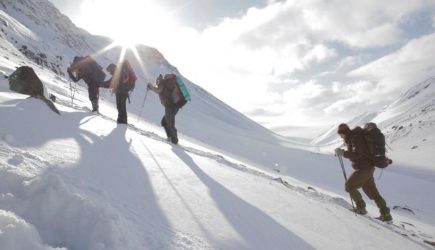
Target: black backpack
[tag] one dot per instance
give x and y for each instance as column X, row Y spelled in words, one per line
column 89, row 69
column 375, row 140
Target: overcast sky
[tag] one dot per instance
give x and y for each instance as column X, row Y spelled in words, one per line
column 282, row 63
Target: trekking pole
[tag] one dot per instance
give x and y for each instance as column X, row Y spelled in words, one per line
column 143, row 104
column 72, row 93
column 72, row 90
column 388, row 146
column 340, row 159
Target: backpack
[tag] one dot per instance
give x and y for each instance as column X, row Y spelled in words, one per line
column 182, row 87
column 179, row 89
column 375, row 140
column 127, row 70
column 88, row 69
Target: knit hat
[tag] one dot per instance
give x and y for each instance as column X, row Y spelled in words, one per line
column 111, row 68
column 343, row 129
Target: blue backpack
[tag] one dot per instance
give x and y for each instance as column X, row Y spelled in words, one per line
column 180, row 89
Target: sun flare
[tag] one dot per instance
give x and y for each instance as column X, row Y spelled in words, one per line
column 127, row 22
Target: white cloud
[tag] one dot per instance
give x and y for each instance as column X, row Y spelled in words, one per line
column 349, row 61
column 398, row 71
column 359, row 23
column 376, row 37
column 319, row 54
column 343, row 105
column 251, row 62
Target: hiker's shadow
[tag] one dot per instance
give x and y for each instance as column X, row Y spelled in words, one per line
column 258, row 230
column 31, row 123
column 109, row 166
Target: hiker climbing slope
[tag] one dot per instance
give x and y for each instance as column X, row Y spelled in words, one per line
column 362, row 177
column 122, row 82
column 173, row 95
column 87, row 68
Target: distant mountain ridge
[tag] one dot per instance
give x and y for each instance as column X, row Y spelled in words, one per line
column 37, row 31
column 49, row 38
column 408, row 123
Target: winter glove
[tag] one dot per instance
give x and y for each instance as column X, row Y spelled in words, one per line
column 70, row 74
column 339, row 152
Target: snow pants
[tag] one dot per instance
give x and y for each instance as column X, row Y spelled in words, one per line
column 121, row 105
column 94, row 95
column 168, row 122
column 363, row 178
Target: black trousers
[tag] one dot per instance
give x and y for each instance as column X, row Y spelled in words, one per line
column 94, row 95
column 121, row 105
column 168, row 122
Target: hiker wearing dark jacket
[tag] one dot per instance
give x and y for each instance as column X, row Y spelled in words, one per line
column 172, row 100
column 362, row 177
column 86, row 68
column 117, row 83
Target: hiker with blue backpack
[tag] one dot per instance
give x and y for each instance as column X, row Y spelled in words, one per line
column 121, row 83
column 173, row 95
column 361, row 148
column 87, row 68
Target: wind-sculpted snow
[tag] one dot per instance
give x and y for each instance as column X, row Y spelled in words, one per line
column 79, row 181
column 92, row 185
column 16, row 233
column 61, row 216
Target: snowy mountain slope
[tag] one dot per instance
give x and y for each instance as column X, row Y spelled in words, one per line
column 206, row 119
column 43, row 30
column 408, row 124
column 79, row 181
column 330, row 137
column 135, row 190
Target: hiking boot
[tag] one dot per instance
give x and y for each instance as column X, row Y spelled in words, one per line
column 385, row 217
column 174, row 140
column 360, row 210
column 384, row 211
column 120, row 121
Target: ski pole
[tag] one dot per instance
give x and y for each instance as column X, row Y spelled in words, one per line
column 340, row 159
column 143, row 104
column 73, row 93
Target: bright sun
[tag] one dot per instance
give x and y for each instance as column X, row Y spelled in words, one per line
column 128, row 22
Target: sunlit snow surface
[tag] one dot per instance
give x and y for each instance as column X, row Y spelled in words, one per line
column 79, row 181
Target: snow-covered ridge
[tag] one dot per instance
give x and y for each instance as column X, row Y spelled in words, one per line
column 93, row 185
column 36, row 30
column 44, row 35
column 408, row 124
column 79, row 181
column 423, row 90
